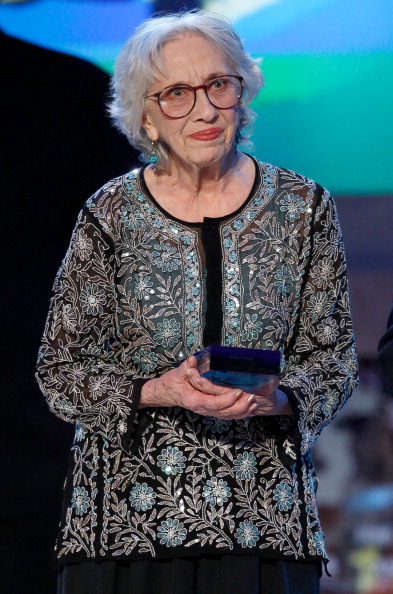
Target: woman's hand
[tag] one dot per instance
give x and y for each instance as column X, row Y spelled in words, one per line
column 270, row 401
column 183, row 386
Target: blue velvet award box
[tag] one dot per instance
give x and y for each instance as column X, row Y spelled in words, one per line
column 248, row 369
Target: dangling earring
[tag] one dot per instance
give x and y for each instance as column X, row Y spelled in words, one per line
column 153, row 157
column 238, row 136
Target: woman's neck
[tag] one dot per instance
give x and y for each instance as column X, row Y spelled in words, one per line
column 191, row 194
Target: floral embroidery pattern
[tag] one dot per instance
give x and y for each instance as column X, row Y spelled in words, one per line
column 318, row 543
column 171, row 533
column 293, row 205
column 98, row 385
column 80, row 432
column 252, row 328
column 323, row 273
column 283, row 280
column 247, row 534
column 350, row 360
column 143, row 286
column 122, row 426
column 142, row 497
column 171, row 460
column 283, row 496
column 69, row 318
column 327, row 332
column 167, row 332
column 330, row 402
column 216, row 492
column 80, row 500
column 83, row 245
column 131, row 217
column 146, row 359
column 166, row 257
column 92, row 299
column 317, row 305
column 245, row 466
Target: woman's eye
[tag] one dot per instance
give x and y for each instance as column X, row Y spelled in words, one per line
column 219, row 83
column 177, row 93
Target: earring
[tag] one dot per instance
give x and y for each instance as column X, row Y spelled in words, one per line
column 238, row 136
column 153, row 157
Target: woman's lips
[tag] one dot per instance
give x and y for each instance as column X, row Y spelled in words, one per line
column 208, row 134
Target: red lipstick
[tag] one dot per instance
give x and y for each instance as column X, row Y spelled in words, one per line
column 208, row 134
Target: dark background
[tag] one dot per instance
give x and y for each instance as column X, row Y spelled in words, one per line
column 59, row 148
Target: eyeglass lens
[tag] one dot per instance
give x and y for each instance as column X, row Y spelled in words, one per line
column 223, row 92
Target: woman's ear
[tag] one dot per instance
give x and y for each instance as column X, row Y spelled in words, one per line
column 149, row 127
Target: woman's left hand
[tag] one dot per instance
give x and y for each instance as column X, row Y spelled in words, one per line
column 268, row 401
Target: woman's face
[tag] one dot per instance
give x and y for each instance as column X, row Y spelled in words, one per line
column 206, row 135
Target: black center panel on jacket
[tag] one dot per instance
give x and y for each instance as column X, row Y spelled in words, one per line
column 213, row 258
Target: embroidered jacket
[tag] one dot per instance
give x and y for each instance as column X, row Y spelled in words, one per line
column 129, row 302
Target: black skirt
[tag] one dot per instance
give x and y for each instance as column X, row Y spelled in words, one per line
column 226, row 574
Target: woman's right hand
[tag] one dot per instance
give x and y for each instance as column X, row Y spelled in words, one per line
column 183, row 386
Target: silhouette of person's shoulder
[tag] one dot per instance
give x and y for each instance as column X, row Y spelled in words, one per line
column 385, row 354
column 59, row 147
column 55, row 122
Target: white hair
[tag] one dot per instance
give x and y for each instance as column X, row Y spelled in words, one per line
column 140, row 58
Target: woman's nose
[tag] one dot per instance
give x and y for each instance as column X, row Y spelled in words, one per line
column 203, row 108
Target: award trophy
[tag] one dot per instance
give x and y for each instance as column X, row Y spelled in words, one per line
column 233, row 367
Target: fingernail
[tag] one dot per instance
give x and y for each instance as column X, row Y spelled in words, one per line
column 238, row 393
column 253, row 408
column 251, row 398
column 188, row 373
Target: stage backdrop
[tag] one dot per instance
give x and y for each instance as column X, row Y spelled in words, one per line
column 326, row 110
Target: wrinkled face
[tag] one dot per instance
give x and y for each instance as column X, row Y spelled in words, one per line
column 206, row 135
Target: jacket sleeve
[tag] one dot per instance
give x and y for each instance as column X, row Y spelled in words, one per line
column 321, row 367
column 385, row 354
column 78, row 369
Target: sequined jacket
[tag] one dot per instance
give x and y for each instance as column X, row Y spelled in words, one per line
column 129, row 302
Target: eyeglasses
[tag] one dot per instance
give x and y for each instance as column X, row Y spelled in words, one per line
column 177, row 101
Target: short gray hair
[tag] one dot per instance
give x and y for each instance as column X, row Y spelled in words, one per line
column 140, row 58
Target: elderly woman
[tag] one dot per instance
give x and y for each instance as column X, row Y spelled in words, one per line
column 177, row 484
